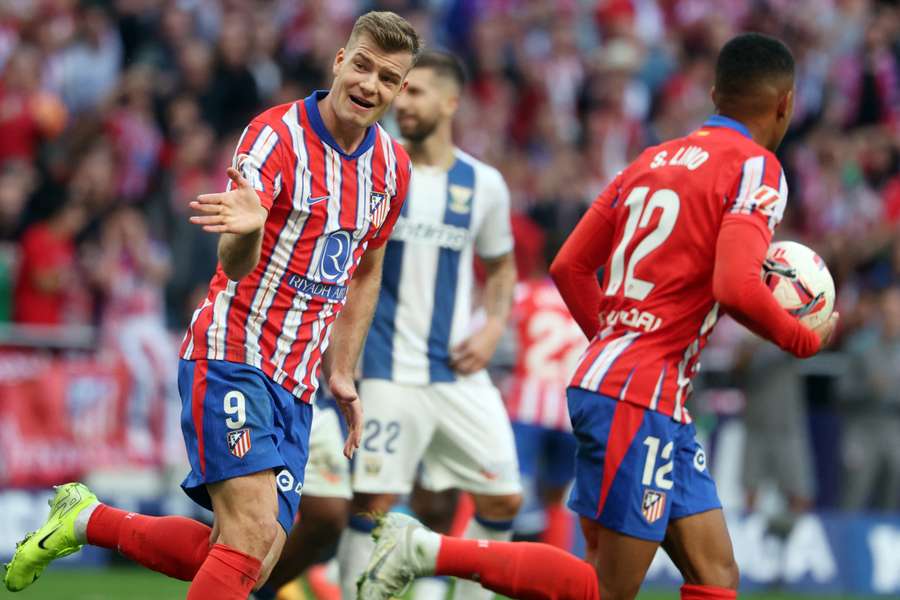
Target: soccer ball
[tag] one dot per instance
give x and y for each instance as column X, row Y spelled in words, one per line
column 800, row 282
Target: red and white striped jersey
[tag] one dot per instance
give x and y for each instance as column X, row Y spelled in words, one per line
column 549, row 344
column 326, row 208
column 657, row 308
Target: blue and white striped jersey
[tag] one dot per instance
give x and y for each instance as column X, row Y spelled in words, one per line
column 425, row 305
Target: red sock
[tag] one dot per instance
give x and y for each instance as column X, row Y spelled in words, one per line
column 706, row 592
column 225, row 575
column 173, row 546
column 519, row 570
column 559, row 527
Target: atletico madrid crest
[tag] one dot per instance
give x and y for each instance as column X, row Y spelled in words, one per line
column 239, row 442
column 653, row 505
column 378, row 208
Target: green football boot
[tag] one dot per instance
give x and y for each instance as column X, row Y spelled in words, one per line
column 55, row 539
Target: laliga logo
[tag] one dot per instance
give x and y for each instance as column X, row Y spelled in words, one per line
column 700, row 460
column 285, row 480
column 335, row 254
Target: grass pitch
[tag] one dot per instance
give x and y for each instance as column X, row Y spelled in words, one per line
column 125, row 583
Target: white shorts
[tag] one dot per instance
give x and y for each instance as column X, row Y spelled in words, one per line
column 459, row 431
column 327, row 470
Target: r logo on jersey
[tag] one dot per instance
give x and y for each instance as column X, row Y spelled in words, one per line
column 378, row 208
column 653, row 506
column 335, row 255
column 239, row 442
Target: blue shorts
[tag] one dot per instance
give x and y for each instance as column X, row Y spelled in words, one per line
column 546, row 456
column 546, row 460
column 236, row 421
column 636, row 469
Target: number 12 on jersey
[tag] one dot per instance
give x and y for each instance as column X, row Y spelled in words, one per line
column 640, row 211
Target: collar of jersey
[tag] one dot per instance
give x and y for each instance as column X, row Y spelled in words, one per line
column 311, row 103
column 729, row 123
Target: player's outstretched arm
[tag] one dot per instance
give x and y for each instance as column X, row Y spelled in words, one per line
column 347, row 337
column 240, row 217
column 475, row 352
column 740, row 291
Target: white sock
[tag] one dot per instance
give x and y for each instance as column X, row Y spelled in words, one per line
column 430, row 588
column 353, row 554
column 81, row 522
column 426, row 545
column 493, row 531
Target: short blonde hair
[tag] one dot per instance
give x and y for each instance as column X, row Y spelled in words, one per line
column 389, row 31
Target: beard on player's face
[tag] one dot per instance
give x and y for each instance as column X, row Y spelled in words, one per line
column 417, row 129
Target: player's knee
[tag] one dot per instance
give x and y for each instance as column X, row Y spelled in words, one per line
column 253, row 532
column 731, row 575
column 498, row 508
column 721, row 573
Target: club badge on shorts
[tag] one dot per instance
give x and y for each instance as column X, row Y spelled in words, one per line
column 239, row 442
column 378, row 208
column 653, row 505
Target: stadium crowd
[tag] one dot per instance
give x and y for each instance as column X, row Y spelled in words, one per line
column 114, row 114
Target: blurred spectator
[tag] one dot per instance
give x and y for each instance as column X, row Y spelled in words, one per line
column 871, row 391
column 134, row 134
column 47, row 275
column 233, row 97
column 87, row 70
column 130, row 270
column 27, row 114
column 778, row 449
column 16, row 180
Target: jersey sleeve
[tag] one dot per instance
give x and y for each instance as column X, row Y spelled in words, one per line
column 494, row 237
column 574, row 270
column 760, row 192
column 259, row 158
column 404, row 174
column 737, row 286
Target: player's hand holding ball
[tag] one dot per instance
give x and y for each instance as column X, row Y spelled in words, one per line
column 802, row 284
column 236, row 211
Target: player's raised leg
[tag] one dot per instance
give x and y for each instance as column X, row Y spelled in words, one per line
column 406, row 550
column 174, row 546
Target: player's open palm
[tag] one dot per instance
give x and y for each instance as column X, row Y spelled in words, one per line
column 344, row 391
column 236, row 211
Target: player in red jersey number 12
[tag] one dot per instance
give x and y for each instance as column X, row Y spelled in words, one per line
column 681, row 234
